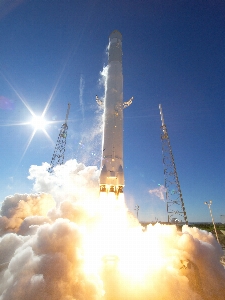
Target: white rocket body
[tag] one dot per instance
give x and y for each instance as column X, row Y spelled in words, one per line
column 112, row 176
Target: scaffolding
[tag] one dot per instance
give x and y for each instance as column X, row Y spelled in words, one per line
column 174, row 199
column 58, row 155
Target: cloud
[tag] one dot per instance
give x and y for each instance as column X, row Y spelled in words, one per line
column 71, row 181
column 81, row 90
column 49, row 266
column 73, row 244
column 16, row 208
column 159, row 192
column 103, row 76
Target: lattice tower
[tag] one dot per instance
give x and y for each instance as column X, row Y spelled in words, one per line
column 58, row 155
column 174, row 199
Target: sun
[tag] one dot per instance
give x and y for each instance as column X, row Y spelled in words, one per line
column 38, row 122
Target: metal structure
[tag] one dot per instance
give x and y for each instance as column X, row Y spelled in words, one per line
column 174, row 198
column 58, row 155
column 210, row 210
column 137, row 207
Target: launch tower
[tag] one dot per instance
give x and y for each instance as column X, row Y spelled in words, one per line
column 175, row 203
column 58, row 155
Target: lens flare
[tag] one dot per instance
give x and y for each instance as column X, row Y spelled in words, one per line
column 38, row 122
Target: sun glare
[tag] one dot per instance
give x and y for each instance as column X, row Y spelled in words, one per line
column 38, row 122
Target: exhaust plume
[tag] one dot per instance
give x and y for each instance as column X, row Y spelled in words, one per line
column 69, row 243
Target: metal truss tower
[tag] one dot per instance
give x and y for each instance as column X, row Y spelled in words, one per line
column 58, row 155
column 174, row 199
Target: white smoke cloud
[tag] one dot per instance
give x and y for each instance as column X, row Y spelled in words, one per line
column 159, row 192
column 91, row 137
column 16, row 208
column 48, row 265
column 68, row 181
column 89, row 248
column 103, row 76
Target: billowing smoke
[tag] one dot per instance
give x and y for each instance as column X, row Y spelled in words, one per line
column 15, row 209
column 65, row 242
column 72, row 181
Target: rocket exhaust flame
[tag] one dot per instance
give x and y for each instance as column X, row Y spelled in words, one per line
column 92, row 248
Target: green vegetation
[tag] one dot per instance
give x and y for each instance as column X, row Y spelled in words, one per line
column 208, row 226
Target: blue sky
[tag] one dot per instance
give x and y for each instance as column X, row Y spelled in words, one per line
column 173, row 54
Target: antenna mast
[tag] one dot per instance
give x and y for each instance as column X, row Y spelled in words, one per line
column 58, row 155
column 174, row 198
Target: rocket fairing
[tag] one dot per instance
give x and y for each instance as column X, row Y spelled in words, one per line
column 112, row 175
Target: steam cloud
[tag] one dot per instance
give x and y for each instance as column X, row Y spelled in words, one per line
column 54, row 244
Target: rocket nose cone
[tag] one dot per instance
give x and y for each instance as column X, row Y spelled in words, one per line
column 115, row 34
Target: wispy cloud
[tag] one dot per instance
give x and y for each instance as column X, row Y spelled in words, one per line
column 159, row 192
column 81, row 89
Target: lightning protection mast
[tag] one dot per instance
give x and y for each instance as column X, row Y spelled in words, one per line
column 58, row 155
column 174, row 199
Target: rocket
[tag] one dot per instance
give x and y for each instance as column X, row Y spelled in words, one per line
column 112, row 170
